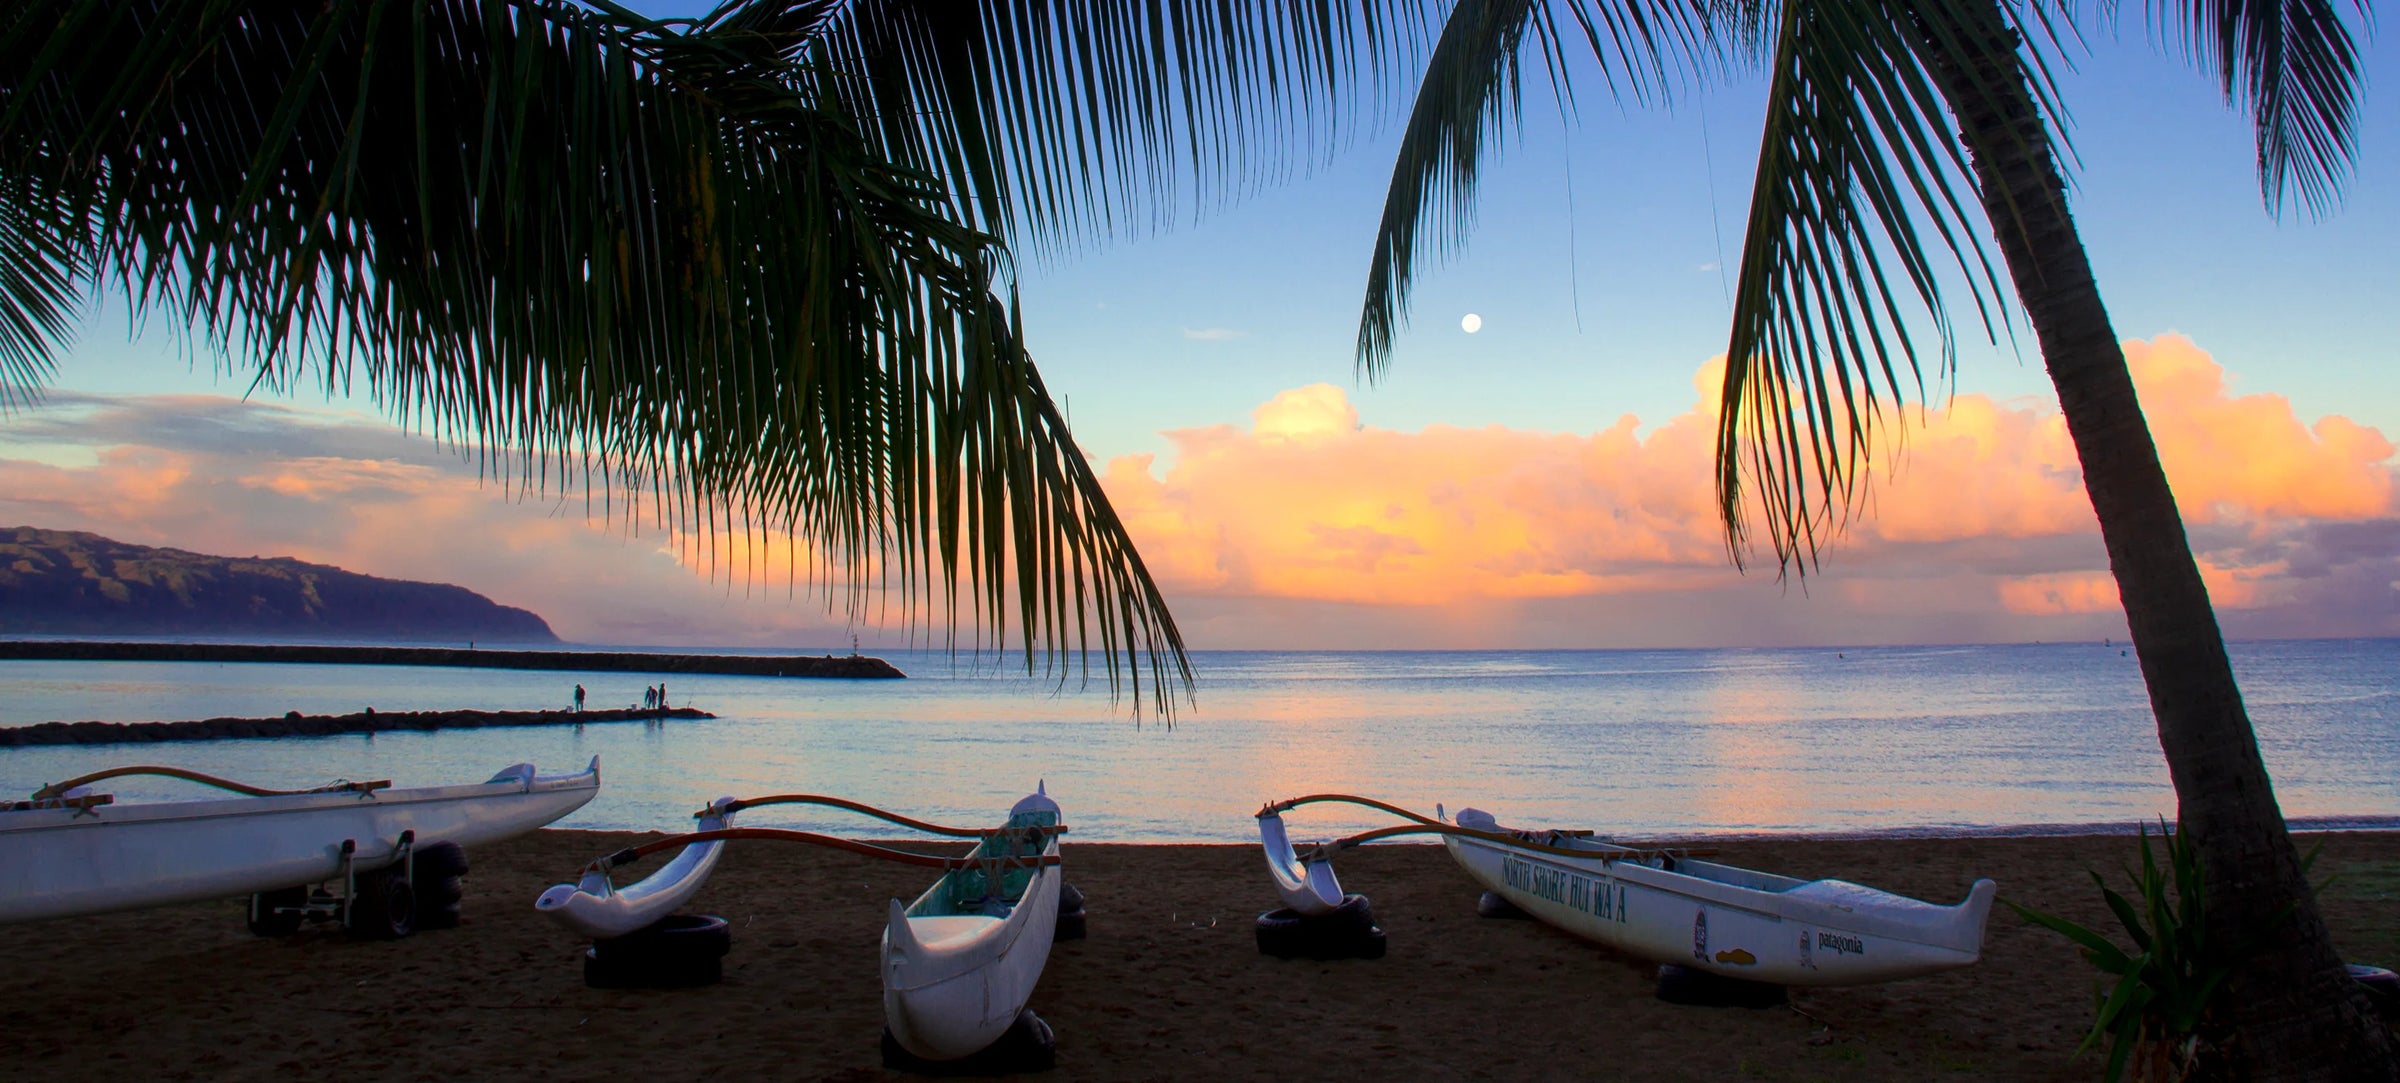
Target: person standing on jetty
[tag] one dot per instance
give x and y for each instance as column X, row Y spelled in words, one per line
column 662, row 695
column 579, row 699
column 649, row 697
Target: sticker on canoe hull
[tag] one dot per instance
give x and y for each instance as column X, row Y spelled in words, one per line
column 1737, row 957
column 1700, row 934
column 1841, row 944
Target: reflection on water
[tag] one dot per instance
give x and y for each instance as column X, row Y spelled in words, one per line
column 1656, row 744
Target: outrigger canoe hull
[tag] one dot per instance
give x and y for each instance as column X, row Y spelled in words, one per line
column 58, row 862
column 1736, row 922
column 954, row 982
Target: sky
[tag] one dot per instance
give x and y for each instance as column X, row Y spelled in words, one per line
column 1542, row 482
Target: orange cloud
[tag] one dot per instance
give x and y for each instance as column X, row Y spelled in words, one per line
column 1309, row 504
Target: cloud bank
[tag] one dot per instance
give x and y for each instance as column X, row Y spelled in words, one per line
column 1310, row 528
column 1977, row 530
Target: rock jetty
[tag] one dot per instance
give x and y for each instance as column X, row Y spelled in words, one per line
column 296, row 724
column 745, row 665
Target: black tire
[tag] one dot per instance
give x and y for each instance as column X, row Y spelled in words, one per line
column 1353, row 912
column 264, row 920
column 1070, row 927
column 1495, row 905
column 2382, row 986
column 1070, row 900
column 439, row 861
column 444, row 916
column 670, row 940
column 384, row 907
column 1702, row 989
column 1285, row 934
column 1028, row 1045
column 445, row 891
column 611, row 972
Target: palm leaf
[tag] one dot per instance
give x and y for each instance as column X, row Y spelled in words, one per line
column 2293, row 66
column 1059, row 122
column 1856, row 167
column 664, row 265
column 1470, row 92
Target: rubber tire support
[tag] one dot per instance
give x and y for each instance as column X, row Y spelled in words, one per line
column 1028, row 1045
column 1702, row 989
column 1070, row 914
column 680, row 951
column 1349, row 932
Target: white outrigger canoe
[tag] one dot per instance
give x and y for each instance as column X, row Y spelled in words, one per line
column 69, row 851
column 959, row 963
column 1667, row 905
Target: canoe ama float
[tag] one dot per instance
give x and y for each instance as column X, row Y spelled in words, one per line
column 70, row 852
column 1669, row 906
column 959, row 963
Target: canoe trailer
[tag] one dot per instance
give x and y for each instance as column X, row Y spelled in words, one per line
column 397, row 855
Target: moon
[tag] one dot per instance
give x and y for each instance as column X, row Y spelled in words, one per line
column 1471, row 324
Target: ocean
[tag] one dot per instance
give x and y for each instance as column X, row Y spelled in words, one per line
column 1656, row 745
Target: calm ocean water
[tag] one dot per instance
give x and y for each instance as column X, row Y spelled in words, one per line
column 1655, row 744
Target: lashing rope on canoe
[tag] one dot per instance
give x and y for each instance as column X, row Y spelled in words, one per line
column 732, row 807
column 1422, row 824
column 930, row 861
column 59, row 789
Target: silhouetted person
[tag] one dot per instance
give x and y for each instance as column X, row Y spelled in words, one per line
column 662, row 695
column 579, row 699
column 649, row 696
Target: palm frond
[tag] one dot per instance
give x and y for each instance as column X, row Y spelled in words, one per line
column 41, row 249
column 1856, row 166
column 603, row 253
column 1055, row 123
column 1470, row 92
column 2293, row 66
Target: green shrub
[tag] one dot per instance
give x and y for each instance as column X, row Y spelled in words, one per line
column 2154, row 997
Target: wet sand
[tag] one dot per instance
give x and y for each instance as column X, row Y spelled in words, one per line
column 1168, row 986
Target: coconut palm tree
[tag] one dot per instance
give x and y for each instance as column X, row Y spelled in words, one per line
column 1886, row 122
column 667, row 263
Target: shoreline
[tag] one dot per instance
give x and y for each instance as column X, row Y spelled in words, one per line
column 1169, row 984
column 295, row 724
column 853, row 667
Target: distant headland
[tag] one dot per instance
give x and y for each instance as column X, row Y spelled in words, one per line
column 65, row 582
column 789, row 665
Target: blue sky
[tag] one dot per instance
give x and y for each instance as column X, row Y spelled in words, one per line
column 1593, row 264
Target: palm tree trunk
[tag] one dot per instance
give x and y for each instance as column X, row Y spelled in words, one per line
column 2294, row 1012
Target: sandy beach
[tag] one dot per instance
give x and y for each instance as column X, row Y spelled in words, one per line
column 1168, row 986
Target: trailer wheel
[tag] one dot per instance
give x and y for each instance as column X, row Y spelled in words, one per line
column 385, row 907
column 265, row 918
